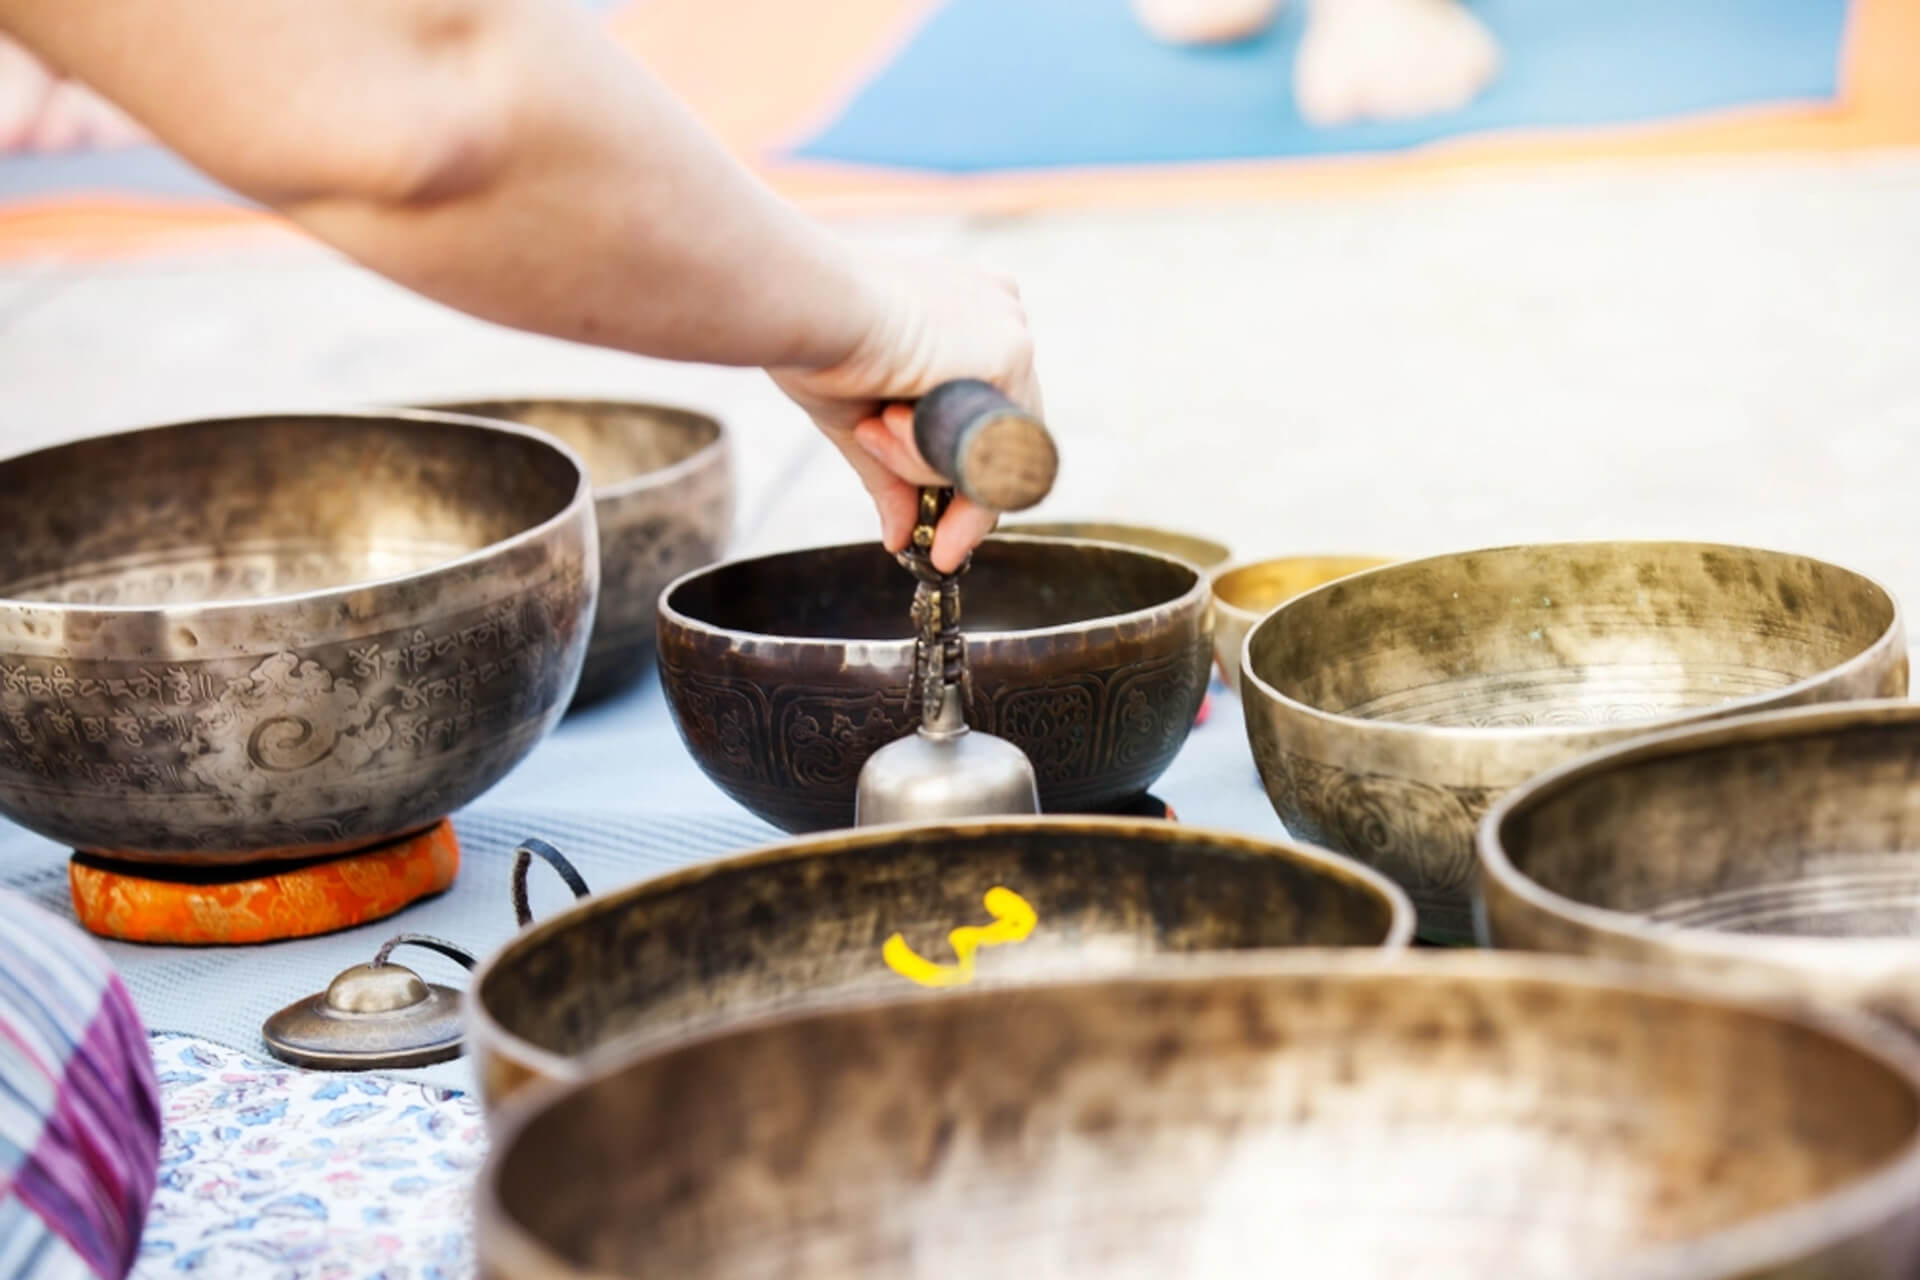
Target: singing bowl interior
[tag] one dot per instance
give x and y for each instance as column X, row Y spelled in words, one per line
column 663, row 500
column 1242, row 595
column 859, row 593
column 785, row 672
column 809, row 921
column 1789, row 840
column 1468, row 1116
column 282, row 636
column 250, row 509
column 1389, row 709
column 1204, row 554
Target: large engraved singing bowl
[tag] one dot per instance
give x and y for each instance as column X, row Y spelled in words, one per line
column 810, row 921
column 1204, row 554
column 283, row 636
column 785, row 672
column 1468, row 1116
column 1243, row 594
column 1782, row 847
column 663, row 496
column 1389, row 709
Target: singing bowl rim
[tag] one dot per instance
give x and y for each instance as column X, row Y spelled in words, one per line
column 1595, row 735
column 486, row 1034
column 1681, row 940
column 582, row 497
column 659, row 477
column 1770, row 1240
column 1194, row 597
column 1219, row 554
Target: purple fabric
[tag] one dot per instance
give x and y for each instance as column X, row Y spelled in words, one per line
column 80, row 1133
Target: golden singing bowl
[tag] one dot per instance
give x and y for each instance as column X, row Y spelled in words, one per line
column 663, row 494
column 1204, row 554
column 810, row 921
column 286, row 635
column 1389, row 709
column 1782, row 847
column 1462, row 1116
column 1243, row 594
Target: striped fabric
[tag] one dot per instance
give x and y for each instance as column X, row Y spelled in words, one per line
column 79, row 1105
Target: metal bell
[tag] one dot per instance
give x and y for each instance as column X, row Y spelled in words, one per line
column 945, row 770
column 373, row 1016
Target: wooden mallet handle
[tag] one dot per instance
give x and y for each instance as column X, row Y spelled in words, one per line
column 994, row 452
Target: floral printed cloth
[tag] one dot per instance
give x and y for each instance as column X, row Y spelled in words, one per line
column 268, row 1172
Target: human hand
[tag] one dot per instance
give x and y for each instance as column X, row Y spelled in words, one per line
column 930, row 322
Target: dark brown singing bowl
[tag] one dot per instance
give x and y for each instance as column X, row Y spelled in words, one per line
column 1782, row 847
column 663, row 496
column 785, row 672
column 1377, row 1117
column 809, row 921
column 284, row 635
column 1389, row 709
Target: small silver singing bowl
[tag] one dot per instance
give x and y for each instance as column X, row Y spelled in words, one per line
column 1389, row 709
column 663, row 498
column 283, row 636
column 1459, row 1116
column 1782, row 848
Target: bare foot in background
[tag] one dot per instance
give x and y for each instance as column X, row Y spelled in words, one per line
column 42, row 111
column 1390, row 60
column 1187, row 22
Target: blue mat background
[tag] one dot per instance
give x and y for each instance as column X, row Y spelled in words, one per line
column 1022, row 84
column 616, row 791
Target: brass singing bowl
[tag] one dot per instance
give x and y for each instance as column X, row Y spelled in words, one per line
column 663, row 498
column 1469, row 1115
column 809, row 921
column 785, row 672
column 1388, row 710
column 1243, row 594
column 283, row 636
column 1782, row 847
column 1204, row 554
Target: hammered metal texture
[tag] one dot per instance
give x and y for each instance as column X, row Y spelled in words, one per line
column 808, row 921
column 1782, row 847
column 283, row 636
column 1464, row 1117
column 1388, row 710
column 785, row 672
column 663, row 498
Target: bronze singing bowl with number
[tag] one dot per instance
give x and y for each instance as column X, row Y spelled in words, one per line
column 1782, row 847
column 809, row 922
column 1243, row 594
column 283, row 636
column 1389, row 709
column 1461, row 1117
column 663, row 495
column 1204, row 554
column 785, row 672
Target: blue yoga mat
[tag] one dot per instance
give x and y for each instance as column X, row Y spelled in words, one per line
column 1022, row 84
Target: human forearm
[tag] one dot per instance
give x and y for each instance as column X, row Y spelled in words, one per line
column 501, row 156
column 608, row 216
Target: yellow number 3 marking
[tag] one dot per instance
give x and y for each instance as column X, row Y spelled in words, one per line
column 1013, row 920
